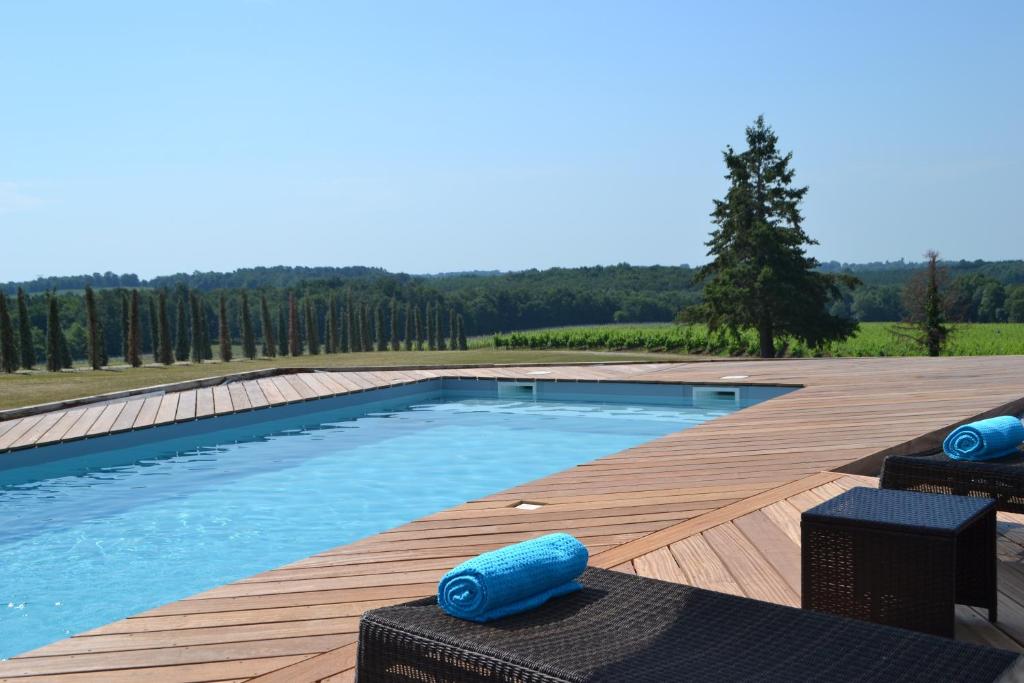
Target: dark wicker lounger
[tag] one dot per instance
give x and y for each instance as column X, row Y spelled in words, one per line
column 1002, row 479
column 625, row 628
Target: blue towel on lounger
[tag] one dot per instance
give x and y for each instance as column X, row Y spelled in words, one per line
column 513, row 579
column 985, row 439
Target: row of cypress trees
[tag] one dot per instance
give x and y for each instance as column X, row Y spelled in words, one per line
column 354, row 327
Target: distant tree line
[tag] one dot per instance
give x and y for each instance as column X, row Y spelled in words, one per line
column 178, row 324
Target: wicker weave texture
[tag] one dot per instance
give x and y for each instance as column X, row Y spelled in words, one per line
column 627, row 628
column 897, row 573
column 1002, row 480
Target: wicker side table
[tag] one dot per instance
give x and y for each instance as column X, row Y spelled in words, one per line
column 899, row 557
column 1002, row 479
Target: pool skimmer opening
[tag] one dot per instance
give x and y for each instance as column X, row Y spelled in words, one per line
column 523, row 505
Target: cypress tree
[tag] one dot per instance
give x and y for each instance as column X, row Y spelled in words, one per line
column 294, row 342
column 463, row 346
column 181, row 344
column 378, row 327
column 248, row 335
column 453, row 341
column 25, row 346
column 197, row 329
column 104, row 360
column 134, row 357
column 346, row 332
column 418, row 324
column 408, row 327
column 8, row 350
column 267, row 325
column 333, row 328
column 431, row 330
column 92, row 326
column 437, row 328
column 154, row 329
column 351, row 328
column 224, row 332
column 65, row 352
column 365, row 329
column 166, row 357
column 282, row 330
column 393, row 315
column 203, row 316
column 312, row 329
column 124, row 325
column 53, row 334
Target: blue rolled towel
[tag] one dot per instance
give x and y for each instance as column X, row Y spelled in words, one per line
column 513, row 579
column 985, row 439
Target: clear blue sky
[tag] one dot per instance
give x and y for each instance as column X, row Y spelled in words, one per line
column 429, row 136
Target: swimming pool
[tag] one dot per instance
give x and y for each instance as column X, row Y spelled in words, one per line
column 94, row 531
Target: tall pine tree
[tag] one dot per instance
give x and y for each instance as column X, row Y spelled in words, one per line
column 223, row 332
column 134, row 355
column 312, row 328
column 294, row 341
column 248, row 334
column 760, row 275
column 26, row 348
column 94, row 340
column 166, row 355
column 267, row 328
column 8, row 350
column 181, row 335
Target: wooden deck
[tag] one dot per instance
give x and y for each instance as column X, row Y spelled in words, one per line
column 713, row 505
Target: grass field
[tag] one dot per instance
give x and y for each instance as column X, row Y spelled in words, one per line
column 22, row 389
column 873, row 339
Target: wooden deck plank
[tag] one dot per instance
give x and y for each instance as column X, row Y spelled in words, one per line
column 148, row 412
column 37, row 430
column 168, row 409
column 222, row 404
column 84, row 423
column 204, row 402
column 126, row 420
column 255, row 394
column 752, row 571
column 186, row 409
column 239, row 397
column 286, row 389
column 271, row 392
column 106, row 420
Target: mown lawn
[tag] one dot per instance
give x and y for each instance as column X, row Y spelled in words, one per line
column 22, row 389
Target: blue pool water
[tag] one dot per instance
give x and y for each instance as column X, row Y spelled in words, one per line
column 91, row 538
